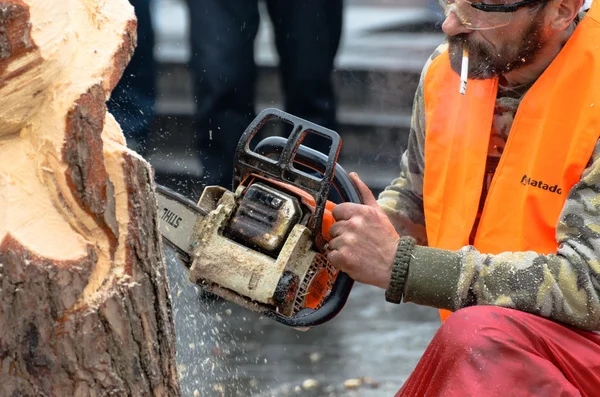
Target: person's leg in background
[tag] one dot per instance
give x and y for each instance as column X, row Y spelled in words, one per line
column 307, row 37
column 222, row 37
column 132, row 100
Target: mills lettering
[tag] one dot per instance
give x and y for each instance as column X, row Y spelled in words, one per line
column 171, row 218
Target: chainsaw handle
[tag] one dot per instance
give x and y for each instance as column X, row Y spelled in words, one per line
column 316, row 161
column 248, row 161
column 340, row 291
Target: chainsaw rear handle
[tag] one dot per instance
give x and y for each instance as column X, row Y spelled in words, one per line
column 316, row 161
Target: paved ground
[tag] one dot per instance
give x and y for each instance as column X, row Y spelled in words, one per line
column 227, row 351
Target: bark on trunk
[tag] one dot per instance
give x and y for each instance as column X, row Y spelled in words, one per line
column 84, row 303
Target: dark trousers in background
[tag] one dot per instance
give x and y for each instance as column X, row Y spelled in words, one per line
column 132, row 100
column 307, row 35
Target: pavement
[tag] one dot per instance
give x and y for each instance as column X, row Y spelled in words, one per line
column 223, row 350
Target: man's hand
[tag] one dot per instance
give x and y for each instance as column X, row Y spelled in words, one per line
column 364, row 241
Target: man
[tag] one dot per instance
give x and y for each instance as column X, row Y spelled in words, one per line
column 307, row 35
column 500, row 190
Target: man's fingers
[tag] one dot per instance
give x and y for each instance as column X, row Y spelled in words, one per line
column 335, row 244
column 344, row 211
column 363, row 190
column 336, row 259
column 337, row 229
column 338, row 255
column 345, row 240
column 335, row 255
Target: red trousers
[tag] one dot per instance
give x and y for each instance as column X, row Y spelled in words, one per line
column 489, row 351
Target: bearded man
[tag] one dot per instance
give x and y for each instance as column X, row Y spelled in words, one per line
column 496, row 213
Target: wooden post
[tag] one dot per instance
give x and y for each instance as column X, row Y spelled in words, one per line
column 84, row 302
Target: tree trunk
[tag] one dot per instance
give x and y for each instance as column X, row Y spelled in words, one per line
column 84, row 303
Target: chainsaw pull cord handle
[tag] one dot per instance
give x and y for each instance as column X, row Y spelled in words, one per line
column 316, row 161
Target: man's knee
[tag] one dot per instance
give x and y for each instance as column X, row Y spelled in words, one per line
column 476, row 326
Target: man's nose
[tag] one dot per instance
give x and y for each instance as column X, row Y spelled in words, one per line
column 452, row 26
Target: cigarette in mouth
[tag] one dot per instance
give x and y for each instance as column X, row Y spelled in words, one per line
column 464, row 70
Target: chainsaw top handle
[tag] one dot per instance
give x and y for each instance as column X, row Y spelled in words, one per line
column 291, row 151
column 248, row 161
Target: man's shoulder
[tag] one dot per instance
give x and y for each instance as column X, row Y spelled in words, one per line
column 438, row 51
column 442, row 48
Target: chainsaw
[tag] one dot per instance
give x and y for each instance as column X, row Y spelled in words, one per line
column 263, row 245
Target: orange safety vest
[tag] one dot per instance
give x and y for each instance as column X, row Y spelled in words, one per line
column 552, row 138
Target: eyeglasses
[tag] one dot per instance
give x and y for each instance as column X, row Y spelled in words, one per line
column 480, row 16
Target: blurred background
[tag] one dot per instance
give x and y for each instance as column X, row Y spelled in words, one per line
column 201, row 71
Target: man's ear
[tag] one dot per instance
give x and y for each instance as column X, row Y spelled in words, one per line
column 562, row 13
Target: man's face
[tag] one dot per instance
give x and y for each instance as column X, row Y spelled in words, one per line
column 498, row 51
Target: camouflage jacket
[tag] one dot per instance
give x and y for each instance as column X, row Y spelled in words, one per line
column 563, row 287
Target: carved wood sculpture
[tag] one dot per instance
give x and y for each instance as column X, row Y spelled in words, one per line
column 84, row 304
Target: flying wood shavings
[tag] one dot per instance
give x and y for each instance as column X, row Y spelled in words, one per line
column 370, row 382
column 352, row 384
column 315, row 357
column 310, row 384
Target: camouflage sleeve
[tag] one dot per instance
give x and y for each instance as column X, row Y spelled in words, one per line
column 563, row 287
column 403, row 199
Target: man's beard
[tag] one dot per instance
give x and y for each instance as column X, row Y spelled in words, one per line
column 486, row 62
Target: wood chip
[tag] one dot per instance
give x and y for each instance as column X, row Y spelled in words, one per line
column 352, row 384
column 370, row 382
column 310, row 384
column 315, row 357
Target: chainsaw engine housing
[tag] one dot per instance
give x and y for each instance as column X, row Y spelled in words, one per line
column 260, row 231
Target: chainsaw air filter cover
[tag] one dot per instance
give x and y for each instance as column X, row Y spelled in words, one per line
column 264, row 219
